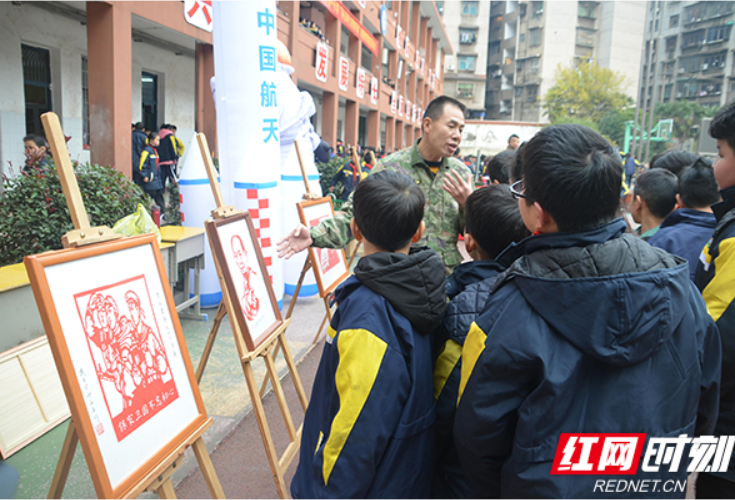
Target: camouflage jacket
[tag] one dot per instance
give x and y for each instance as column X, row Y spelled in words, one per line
column 443, row 218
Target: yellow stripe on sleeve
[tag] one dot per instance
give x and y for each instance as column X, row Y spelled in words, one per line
column 143, row 157
column 445, row 363
column 720, row 292
column 473, row 347
column 360, row 356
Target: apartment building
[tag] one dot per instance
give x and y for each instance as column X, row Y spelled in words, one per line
column 528, row 40
column 467, row 28
column 693, row 65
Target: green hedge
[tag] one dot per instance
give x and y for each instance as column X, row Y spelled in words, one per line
column 34, row 215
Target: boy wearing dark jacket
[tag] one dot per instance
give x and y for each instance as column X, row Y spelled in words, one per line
column 492, row 223
column 369, row 428
column 150, row 172
column 589, row 330
column 686, row 230
column 715, row 279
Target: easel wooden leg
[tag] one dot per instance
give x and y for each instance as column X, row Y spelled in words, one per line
column 205, row 464
column 327, row 316
column 270, row 449
column 294, row 374
column 307, row 266
column 282, row 404
column 166, row 490
column 65, row 460
column 219, row 316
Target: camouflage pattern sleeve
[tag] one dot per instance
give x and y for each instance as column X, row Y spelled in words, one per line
column 335, row 231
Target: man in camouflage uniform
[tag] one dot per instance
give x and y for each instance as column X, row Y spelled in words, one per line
column 445, row 181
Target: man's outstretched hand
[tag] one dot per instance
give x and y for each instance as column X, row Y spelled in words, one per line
column 296, row 241
column 459, row 188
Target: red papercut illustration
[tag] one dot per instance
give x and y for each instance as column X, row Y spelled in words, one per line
column 328, row 258
column 130, row 361
column 248, row 300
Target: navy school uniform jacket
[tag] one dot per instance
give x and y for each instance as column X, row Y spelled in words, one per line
column 589, row 332
column 149, row 168
column 468, row 287
column 368, row 431
column 685, row 232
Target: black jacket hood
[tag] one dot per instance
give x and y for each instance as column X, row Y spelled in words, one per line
column 610, row 294
column 413, row 284
column 469, row 273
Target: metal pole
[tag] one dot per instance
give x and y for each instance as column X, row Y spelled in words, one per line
column 638, row 104
column 654, row 96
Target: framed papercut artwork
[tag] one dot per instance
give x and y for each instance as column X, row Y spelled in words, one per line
column 117, row 342
column 329, row 265
column 236, row 248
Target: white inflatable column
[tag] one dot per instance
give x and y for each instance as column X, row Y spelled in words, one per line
column 246, row 100
column 197, row 202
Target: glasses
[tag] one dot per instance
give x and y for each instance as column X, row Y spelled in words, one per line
column 517, row 188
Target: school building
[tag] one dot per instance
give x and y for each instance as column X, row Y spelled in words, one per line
column 104, row 65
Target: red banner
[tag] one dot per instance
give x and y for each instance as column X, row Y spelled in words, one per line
column 344, row 15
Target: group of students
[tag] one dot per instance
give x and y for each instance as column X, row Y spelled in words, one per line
column 352, row 172
column 564, row 322
column 155, row 156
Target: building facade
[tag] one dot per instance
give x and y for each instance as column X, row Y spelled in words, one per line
column 400, row 46
column 468, row 28
column 528, row 40
column 102, row 66
column 694, row 63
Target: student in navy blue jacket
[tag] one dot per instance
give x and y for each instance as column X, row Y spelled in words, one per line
column 589, row 330
column 492, row 223
column 685, row 231
column 368, row 431
column 150, row 172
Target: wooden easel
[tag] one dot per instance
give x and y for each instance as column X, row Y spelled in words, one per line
column 159, row 479
column 277, row 340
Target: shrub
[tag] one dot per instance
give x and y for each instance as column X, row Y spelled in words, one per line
column 34, row 215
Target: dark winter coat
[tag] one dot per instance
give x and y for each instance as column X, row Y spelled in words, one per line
column 589, row 332
column 369, row 428
column 685, row 232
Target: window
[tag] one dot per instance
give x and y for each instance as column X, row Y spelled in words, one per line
column 344, row 42
column 494, row 48
column 718, row 34
column 470, row 8
column 534, row 65
column 36, row 86
column 670, row 47
column 466, row 90
column 85, row 103
column 674, row 21
column 710, row 89
column 505, row 83
column 692, row 39
column 519, row 91
column 467, row 63
column 522, row 37
column 586, row 9
column 585, row 38
column 532, row 93
column 366, row 59
column 538, row 8
column 701, row 11
column 534, row 37
column 384, row 65
column 149, row 98
column 467, row 36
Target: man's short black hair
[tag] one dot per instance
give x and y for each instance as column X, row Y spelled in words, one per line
column 658, row 188
column 493, row 219
column 574, row 174
column 139, row 126
column 500, row 166
column 388, row 207
column 515, row 169
column 37, row 140
column 435, row 109
column 512, row 136
column 698, row 186
column 674, row 161
column 722, row 125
